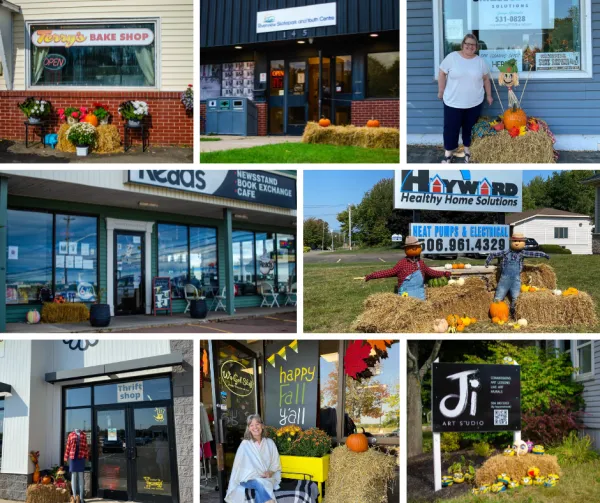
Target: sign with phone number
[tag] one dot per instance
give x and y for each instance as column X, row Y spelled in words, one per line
column 461, row 238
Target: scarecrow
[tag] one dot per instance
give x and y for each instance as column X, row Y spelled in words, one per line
column 411, row 271
column 509, row 77
column 512, row 265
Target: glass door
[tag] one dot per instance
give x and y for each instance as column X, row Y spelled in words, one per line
column 297, row 97
column 113, row 451
column 129, row 273
column 234, row 371
column 277, row 97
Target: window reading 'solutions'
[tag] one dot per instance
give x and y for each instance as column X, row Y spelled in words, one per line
column 540, row 36
column 93, row 55
column 383, row 75
column 36, row 272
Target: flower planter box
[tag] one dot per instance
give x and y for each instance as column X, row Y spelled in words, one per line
column 298, row 467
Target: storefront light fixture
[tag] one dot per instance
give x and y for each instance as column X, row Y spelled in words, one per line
column 240, row 216
column 302, row 41
column 144, row 204
column 238, row 47
column 374, row 35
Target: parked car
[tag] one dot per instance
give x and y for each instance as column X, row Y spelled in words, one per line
column 531, row 245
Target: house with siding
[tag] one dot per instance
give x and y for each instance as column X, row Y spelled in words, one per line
column 594, row 181
column 549, row 226
column 564, row 75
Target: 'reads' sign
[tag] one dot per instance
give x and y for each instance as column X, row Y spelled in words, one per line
column 459, row 190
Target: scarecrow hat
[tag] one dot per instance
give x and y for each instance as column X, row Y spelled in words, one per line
column 411, row 241
column 517, row 236
column 509, row 66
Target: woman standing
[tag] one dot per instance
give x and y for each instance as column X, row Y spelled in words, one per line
column 461, row 82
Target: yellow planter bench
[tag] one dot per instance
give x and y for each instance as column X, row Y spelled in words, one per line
column 298, row 467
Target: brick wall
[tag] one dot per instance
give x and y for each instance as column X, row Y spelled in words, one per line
column 202, row 116
column 170, row 123
column 262, row 118
column 387, row 112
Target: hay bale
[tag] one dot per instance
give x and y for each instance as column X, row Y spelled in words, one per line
column 39, row 493
column 390, row 313
column 71, row 312
column 63, row 144
column 515, row 466
column 501, row 148
column 109, row 140
column 546, row 309
column 538, row 275
column 352, row 136
column 359, row 477
column 472, row 299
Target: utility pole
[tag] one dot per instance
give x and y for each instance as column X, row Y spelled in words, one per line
column 331, row 240
column 323, row 240
column 350, row 226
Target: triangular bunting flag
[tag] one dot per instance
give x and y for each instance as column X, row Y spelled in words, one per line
column 294, row 346
column 271, row 359
column 281, row 353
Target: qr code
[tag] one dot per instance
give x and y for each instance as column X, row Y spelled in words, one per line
column 501, row 417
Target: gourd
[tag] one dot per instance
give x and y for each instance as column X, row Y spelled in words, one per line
column 448, row 266
column 440, row 326
column 468, row 266
column 373, row 123
column 514, row 117
column 460, row 281
column 33, row 317
column 357, row 442
column 324, row 122
column 91, row 119
column 499, row 310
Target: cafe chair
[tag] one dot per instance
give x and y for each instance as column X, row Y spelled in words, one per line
column 220, row 300
column 291, row 296
column 268, row 294
column 190, row 292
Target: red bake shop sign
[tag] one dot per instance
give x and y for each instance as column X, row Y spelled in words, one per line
column 94, row 37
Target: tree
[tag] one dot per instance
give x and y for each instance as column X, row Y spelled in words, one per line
column 392, row 416
column 313, row 232
column 414, row 380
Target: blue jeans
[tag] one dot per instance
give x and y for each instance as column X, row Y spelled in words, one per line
column 260, row 493
column 77, row 484
column 456, row 119
column 506, row 284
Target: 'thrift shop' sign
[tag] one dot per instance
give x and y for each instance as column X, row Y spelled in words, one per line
column 459, row 190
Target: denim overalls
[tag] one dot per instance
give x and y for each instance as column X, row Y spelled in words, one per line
column 413, row 284
column 510, row 280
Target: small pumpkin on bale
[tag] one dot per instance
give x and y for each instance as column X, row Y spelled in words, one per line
column 91, row 119
column 373, row 123
column 357, row 442
column 324, row 122
column 499, row 310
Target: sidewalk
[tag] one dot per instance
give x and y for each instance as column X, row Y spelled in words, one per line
column 119, row 323
column 419, row 154
column 230, row 142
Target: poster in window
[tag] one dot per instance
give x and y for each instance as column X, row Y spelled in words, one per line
column 73, row 248
column 495, row 58
column 63, row 247
column 60, row 261
column 557, row 61
column 112, row 434
column 508, row 15
column 85, row 249
column 69, row 262
column 78, row 262
column 210, row 81
column 454, row 29
column 13, row 253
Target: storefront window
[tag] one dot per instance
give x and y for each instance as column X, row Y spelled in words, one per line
column 151, row 390
column 277, row 75
column 328, row 382
column 286, row 261
column 383, row 75
column 297, row 78
column 296, row 116
column 203, row 260
column 76, row 273
column 1, row 428
column 343, row 74
column 29, row 256
column 210, row 81
column 78, row 415
column 244, row 273
column 541, row 36
column 265, row 258
column 173, row 256
column 78, row 397
column 93, row 55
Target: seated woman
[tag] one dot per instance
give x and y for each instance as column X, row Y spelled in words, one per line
column 257, row 465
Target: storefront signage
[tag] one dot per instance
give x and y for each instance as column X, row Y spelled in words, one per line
column 461, row 238
column 161, row 287
column 159, row 416
column 510, row 15
column 311, row 16
column 458, row 190
column 254, row 186
column 557, row 61
column 112, row 434
column 156, row 484
column 92, row 37
column 54, row 62
column 454, row 29
column 237, row 378
column 495, row 58
column 130, row 392
column 476, row 397
column 291, row 383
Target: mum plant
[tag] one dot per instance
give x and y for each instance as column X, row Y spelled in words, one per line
column 73, row 113
column 100, row 111
column 294, row 441
column 82, row 134
column 133, row 110
column 37, row 109
column 187, row 98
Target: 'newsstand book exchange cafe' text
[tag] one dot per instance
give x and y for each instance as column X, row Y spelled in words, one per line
column 301, row 60
column 86, row 234
column 75, row 54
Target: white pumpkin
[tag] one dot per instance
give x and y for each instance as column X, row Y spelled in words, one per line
column 448, row 266
column 557, row 292
column 460, row 281
column 468, row 266
column 522, row 322
column 440, row 326
column 451, row 281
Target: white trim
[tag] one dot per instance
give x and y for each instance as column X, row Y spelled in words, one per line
column 575, row 347
column 531, row 217
column 10, row 6
column 157, row 53
column 113, row 224
column 586, row 72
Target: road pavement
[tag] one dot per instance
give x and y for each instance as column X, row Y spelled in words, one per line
column 327, row 257
column 230, row 142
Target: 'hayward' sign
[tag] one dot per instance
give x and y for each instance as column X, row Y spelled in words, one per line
column 297, row 18
column 253, row 186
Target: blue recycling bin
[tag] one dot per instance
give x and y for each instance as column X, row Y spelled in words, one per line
column 234, row 116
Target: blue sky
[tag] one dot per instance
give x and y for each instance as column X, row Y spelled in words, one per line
column 326, row 193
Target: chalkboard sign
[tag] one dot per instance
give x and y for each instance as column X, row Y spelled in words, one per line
column 291, row 383
column 161, row 295
column 476, row 397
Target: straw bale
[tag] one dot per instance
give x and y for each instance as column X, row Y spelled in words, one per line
column 352, row 136
column 501, row 148
column 390, row 313
column 359, row 477
column 472, row 299
column 63, row 144
column 109, row 140
column 71, row 312
column 515, row 466
column 39, row 493
column 546, row 309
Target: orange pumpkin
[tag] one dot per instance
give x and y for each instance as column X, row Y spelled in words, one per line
column 357, row 442
column 413, row 251
column 461, row 266
column 324, row 122
column 373, row 123
column 514, row 117
column 46, row 480
column 495, row 319
column 499, row 310
column 454, row 266
column 91, row 119
column 460, row 327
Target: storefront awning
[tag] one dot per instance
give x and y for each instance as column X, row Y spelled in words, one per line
column 152, row 362
column 5, row 390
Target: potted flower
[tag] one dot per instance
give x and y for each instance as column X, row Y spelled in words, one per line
column 35, row 110
column 70, row 114
column 99, row 313
column 101, row 112
column 133, row 111
column 187, row 98
column 82, row 135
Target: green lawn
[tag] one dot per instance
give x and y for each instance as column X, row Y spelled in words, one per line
column 209, row 138
column 333, row 300
column 283, row 153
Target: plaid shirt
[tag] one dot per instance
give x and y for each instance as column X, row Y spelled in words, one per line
column 405, row 268
column 72, row 446
column 506, row 256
